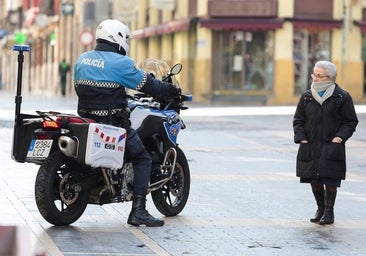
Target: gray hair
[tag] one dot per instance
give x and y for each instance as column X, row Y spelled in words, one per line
column 329, row 68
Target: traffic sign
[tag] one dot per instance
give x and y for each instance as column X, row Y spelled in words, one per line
column 86, row 38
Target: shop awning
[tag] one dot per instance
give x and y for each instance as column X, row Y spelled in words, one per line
column 361, row 24
column 242, row 24
column 317, row 24
column 161, row 29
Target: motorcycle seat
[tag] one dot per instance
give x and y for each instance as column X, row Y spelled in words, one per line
column 74, row 119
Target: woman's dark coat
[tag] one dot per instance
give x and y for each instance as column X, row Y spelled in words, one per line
column 319, row 124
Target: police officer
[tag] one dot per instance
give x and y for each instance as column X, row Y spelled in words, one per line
column 100, row 78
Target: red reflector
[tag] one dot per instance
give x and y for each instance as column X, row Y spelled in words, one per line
column 50, row 124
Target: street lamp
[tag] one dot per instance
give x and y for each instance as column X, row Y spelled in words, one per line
column 67, row 8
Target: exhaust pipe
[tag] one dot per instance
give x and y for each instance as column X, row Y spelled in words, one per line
column 68, row 146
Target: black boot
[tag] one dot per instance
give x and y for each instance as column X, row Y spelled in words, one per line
column 319, row 198
column 140, row 216
column 328, row 216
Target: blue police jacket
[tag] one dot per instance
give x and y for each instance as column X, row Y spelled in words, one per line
column 101, row 77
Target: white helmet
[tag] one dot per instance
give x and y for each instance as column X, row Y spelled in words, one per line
column 115, row 32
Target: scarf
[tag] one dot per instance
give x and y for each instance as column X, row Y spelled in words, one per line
column 322, row 90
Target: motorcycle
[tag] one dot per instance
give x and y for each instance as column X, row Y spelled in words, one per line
column 83, row 162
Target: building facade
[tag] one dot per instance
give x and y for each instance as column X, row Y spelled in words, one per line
column 232, row 51
column 253, row 51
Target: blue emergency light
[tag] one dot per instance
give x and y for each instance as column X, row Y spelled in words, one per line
column 21, row 48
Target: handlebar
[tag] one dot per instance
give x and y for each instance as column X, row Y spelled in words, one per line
column 177, row 103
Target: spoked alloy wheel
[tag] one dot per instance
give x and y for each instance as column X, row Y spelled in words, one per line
column 56, row 202
column 171, row 198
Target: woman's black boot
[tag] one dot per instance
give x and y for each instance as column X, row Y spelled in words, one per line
column 328, row 216
column 140, row 216
column 319, row 198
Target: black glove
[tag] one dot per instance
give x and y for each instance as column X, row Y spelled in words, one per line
column 174, row 91
column 160, row 89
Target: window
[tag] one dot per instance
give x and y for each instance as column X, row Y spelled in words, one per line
column 243, row 60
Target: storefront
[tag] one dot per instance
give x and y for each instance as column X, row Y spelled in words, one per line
column 243, row 59
column 242, row 49
column 309, row 47
column 362, row 25
column 312, row 37
column 364, row 60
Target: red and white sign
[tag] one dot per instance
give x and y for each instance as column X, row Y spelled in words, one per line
column 86, row 38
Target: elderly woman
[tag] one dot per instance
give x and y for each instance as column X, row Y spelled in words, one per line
column 324, row 120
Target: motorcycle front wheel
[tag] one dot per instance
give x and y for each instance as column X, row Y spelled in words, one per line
column 171, row 198
column 55, row 201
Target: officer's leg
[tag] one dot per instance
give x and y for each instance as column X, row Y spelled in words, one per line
column 141, row 161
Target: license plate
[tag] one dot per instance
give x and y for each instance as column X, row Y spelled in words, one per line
column 39, row 148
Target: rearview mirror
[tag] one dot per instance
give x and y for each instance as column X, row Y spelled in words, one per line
column 176, row 69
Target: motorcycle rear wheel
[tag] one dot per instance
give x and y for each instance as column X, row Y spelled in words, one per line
column 56, row 204
column 172, row 197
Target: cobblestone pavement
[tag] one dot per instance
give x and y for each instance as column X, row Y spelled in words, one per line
column 245, row 198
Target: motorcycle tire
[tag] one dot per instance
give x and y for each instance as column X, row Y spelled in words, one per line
column 56, row 205
column 172, row 197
